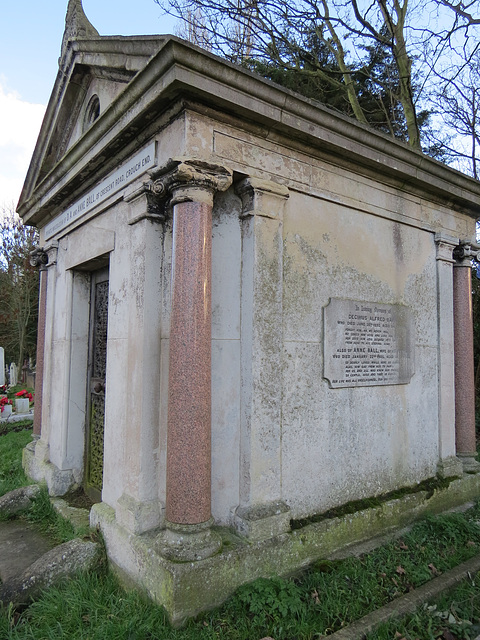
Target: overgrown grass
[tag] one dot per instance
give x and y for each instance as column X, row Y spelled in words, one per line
column 93, row 607
column 12, row 475
column 321, row 600
column 50, row 522
column 10, row 426
column 454, row 615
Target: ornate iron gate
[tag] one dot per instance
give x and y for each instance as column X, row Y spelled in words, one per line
column 96, row 384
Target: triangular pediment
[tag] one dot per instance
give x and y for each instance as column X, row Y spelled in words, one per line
column 93, row 71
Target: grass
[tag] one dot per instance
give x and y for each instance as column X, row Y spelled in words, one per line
column 324, row 598
column 9, row 427
column 450, row 617
column 50, row 522
column 11, row 472
column 317, row 602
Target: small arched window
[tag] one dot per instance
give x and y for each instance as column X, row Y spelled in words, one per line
column 91, row 112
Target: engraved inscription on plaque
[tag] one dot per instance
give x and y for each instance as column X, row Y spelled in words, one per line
column 367, row 343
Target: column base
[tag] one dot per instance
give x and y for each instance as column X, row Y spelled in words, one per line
column 263, row 521
column 469, row 462
column 189, row 542
column 450, row 467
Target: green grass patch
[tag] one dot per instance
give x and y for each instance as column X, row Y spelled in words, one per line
column 323, row 599
column 455, row 615
column 12, row 475
column 49, row 522
column 91, row 606
column 11, row 427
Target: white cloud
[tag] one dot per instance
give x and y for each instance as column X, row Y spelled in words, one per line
column 20, row 123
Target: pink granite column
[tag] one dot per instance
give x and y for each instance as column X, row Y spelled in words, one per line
column 464, row 372
column 39, row 258
column 192, row 185
column 42, row 313
column 189, row 390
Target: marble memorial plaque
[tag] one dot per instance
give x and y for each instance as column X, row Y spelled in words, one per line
column 367, row 343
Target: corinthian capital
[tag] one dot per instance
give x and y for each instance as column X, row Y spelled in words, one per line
column 190, row 180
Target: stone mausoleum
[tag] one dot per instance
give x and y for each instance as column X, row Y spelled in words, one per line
column 252, row 310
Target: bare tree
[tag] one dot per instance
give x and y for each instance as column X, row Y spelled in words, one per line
column 281, row 33
column 451, row 58
column 193, row 29
column 458, row 100
column 19, row 286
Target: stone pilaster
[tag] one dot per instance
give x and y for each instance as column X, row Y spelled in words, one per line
column 36, row 456
column 464, row 370
column 138, row 508
column 261, row 513
column 449, row 465
column 190, row 186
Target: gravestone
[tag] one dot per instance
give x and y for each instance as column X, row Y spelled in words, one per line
column 13, row 374
column 2, row 367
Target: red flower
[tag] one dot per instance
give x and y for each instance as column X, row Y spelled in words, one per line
column 24, row 394
column 4, row 401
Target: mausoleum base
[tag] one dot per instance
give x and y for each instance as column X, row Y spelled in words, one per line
column 38, row 468
column 186, row 588
column 450, row 467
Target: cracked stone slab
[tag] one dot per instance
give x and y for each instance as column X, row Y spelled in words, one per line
column 58, row 564
column 20, row 546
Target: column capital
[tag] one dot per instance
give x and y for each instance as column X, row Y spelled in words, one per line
column 464, row 252
column 445, row 245
column 260, row 197
column 44, row 257
column 39, row 258
column 190, row 180
column 144, row 204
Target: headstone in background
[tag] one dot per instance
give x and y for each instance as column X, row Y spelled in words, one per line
column 25, row 371
column 13, row 374
column 7, row 411
column 22, row 405
column 2, row 367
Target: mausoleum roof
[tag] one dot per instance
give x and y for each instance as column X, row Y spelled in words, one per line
column 146, row 77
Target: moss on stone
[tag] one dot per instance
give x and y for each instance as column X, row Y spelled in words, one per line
column 430, row 486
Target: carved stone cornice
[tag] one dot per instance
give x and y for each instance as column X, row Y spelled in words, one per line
column 190, row 180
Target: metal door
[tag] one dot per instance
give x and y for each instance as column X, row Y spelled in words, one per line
column 96, row 384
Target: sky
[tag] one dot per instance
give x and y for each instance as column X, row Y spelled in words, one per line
column 30, row 41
